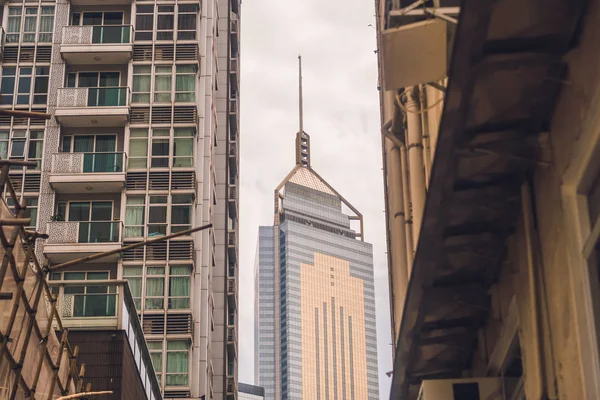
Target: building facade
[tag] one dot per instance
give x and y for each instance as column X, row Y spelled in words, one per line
column 315, row 302
column 490, row 149
column 250, row 392
column 142, row 143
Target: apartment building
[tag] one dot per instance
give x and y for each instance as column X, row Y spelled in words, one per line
column 142, row 143
column 490, row 146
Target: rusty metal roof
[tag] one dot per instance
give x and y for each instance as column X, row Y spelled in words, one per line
column 505, row 74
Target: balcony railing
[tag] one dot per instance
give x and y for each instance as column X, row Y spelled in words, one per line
column 93, row 97
column 2, row 39
column 77, row 163
column 98, row 34
column 71, row 232
column 231, row 239
column 106, row 305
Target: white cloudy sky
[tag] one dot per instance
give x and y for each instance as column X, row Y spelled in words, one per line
column 341, row 115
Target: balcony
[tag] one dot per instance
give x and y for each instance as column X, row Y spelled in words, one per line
column 88, row 172
column 100, row 44
column 2, row 39
column 107, row 305
column 233, row 201
column 233, row 32
column 232, row 291
column 233, row 158
column 93, row 107
column 232, row 245
column 231, row 386
column 69, row 240
column 234, row 74
column 232, row 341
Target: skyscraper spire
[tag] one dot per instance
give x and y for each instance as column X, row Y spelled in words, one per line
column 302, row 139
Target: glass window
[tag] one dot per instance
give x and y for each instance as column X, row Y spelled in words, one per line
column 177, row 363
column 157, row 216
column 134, row 216
column 141, row 84
column 165, row 23
column 31, row 210
column 156, row 354
column 185, row 84
column 29, row 24
column 13, row 28
column 183, row 147
column 162, row 83
column 187, row 16
column 46, row 25
column 133, row 275
column 24, row 86
column 7, row 88
column 179, row 286
column 40, row 92
column 181, row 212
column 138, row 148
column 160, row 148
column 144, row 22
column 155, row 288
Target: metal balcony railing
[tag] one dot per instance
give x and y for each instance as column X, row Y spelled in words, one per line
column 232, row 149
column 231, row 386
column 231, row 239
column 97, row 34
column 231, row 285
column 232, row 193
column 72, row 232
column 106, row 305
column 77, row 163
column 231, row 336
column 93, row 97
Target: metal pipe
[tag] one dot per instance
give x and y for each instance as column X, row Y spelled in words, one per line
column 434, row 114
column 426, row 134
column 131, row 246
column 408, row 222
column 398, row 270
column 533, row 275
column 85, row 394
column 415, row 160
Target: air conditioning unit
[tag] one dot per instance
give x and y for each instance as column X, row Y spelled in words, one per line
column 466, row 389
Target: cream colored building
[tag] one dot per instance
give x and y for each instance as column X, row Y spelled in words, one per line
column 490, row 131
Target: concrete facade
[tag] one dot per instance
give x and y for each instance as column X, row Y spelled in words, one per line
column 540, row 324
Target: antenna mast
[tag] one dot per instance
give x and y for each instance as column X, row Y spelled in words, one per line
column 302, row 139
column 300, row 100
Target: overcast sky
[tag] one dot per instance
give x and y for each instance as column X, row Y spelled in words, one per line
column 341, row 114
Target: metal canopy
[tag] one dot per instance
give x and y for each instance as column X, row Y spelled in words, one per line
column 504, row 78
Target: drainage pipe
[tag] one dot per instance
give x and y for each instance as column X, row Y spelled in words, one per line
column 408, row 222
column 415, row 160
column 396, row 219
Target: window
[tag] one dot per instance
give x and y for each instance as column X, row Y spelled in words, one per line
column 156, row 354
column 178, row 147
column 134, row 216
column 160, row 286
column 186, row 21
column 160, row 148
column 97, row 18
column 155, row 288
column 144, row 22
column 181, row 212
column 165, row 23
column 31, row 210
column 176, row 208
column 157, row 216
column 163, row 76
column 29, row 20
column 185, row 83
column 27, row 85
column 133, row 275
column 22, row 145
column 138, row 148
column 183, row 147
column 179, row 286
column 87, row 300
column 185, row 25
column 141, row 83
column 177, row 363
column 94, row 217
column 93, row 79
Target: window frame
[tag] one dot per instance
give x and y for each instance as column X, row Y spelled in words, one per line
column 169, row 205
column 34, row 77
column 19, row 36
column 171, row 157
column 27, row 140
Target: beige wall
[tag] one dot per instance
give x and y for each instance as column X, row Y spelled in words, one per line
column 329, row 278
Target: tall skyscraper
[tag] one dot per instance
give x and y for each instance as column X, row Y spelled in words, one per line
column 315, row 304
column 142, row 143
